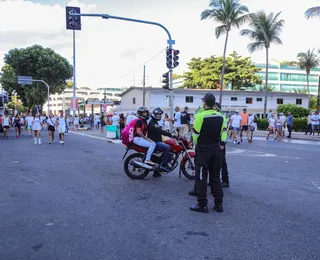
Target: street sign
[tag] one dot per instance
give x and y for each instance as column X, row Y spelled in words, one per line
column 98, row 102
column 25, row 80
column 74, row 104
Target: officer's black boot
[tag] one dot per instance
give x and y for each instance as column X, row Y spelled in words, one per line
column 218, row 207
column 193, row 192
column 200, row 207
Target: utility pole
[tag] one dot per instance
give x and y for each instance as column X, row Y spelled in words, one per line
column 74, row 74
column 144, row 85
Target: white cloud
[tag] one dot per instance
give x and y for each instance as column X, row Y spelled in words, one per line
column 108, row 49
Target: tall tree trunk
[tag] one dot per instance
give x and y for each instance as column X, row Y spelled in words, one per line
column 266, row 84
column 223, row 66
column 308, row 88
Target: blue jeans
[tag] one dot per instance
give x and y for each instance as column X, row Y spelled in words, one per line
column 166, row 151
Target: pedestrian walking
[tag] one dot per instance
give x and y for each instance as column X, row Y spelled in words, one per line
column 51, row 127
column 36, row 128
column 61, row 125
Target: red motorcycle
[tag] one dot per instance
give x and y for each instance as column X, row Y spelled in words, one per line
column 134, row 163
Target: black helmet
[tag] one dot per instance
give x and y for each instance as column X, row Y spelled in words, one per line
column 209, row 99
column 155, row 112
column 141, row 111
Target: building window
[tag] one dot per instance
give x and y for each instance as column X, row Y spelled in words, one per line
column 189, row 99
column 259, row 99
column 299, row 101
column 279, row 101
column 248, row 100
column 134, row 100
column 234, row 99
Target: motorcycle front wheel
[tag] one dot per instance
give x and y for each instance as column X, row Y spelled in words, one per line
column 130, row 169
column 186, row 167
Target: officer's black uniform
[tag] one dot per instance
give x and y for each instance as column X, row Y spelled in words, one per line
column 210, row 125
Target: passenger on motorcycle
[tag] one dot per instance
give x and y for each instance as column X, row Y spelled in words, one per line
column 155, row 133
column 140, row 134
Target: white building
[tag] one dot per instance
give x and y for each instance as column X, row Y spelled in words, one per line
column 63, row 101
column 132, row 99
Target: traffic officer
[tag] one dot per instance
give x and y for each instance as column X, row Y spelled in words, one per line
column 210, row 134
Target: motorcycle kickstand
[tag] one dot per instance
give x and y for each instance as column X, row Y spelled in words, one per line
column 180, row 172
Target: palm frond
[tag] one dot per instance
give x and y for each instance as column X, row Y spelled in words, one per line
column 254, row 46
column 220, row 30
column 312, row 12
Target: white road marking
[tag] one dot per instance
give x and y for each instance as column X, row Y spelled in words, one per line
column 314, row 184
column 97, row 137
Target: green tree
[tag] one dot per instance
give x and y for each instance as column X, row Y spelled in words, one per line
column 296, row 111
column 228, row 13
column 313, row 102
column 265, row 30
column 312, row 12
column 40, row 63
column 240, row 73
column 290, row 63
column 307, row 61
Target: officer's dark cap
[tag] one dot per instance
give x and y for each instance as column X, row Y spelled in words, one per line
column 209, row 99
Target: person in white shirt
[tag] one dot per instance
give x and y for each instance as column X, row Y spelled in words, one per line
column 272, row 126
column 252, row 124
column 61, row 124
column 36, row 128
column 236, row 123
column 315, row 123
column 51, row 127
column 177, row 120
column 29, row 120
column 115, row 119
column 309, row 126
column 283, row 119
column 76, row 123
column 130, row 118
column 6, row 125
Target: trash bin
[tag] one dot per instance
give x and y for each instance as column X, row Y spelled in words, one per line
column 112, row 132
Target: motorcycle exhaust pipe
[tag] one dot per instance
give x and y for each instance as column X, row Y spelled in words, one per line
column 141, row 165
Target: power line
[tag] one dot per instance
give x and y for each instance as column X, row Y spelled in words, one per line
column 141, row 65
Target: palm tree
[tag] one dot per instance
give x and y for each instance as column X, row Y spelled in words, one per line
column 228, row 13
column 265, row 29
column 312, row 12
column 308, row 60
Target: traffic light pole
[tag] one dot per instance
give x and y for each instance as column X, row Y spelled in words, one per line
column 170, row 43
column 144, row 85
column 74, row 74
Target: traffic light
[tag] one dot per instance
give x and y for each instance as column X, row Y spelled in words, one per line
column 176, row 58
column 165, row 80
column 73, row 22
column 169, row 58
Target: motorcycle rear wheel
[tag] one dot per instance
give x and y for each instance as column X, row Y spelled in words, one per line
column 127, row 164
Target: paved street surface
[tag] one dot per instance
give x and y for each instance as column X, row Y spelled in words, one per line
column 75, row 202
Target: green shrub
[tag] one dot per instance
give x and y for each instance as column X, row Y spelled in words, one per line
column 262, row 124
column 299, row 124
column 296, row 111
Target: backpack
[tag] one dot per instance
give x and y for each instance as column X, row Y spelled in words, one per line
column 128, row 132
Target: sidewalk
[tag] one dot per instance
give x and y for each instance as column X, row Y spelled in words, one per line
column 294, row 135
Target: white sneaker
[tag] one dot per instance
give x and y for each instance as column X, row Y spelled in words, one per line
column 62, row 142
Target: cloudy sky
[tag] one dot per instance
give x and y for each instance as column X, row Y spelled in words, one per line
column 109, row 51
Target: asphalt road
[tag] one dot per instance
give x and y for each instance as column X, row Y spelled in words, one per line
column 75, row 202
